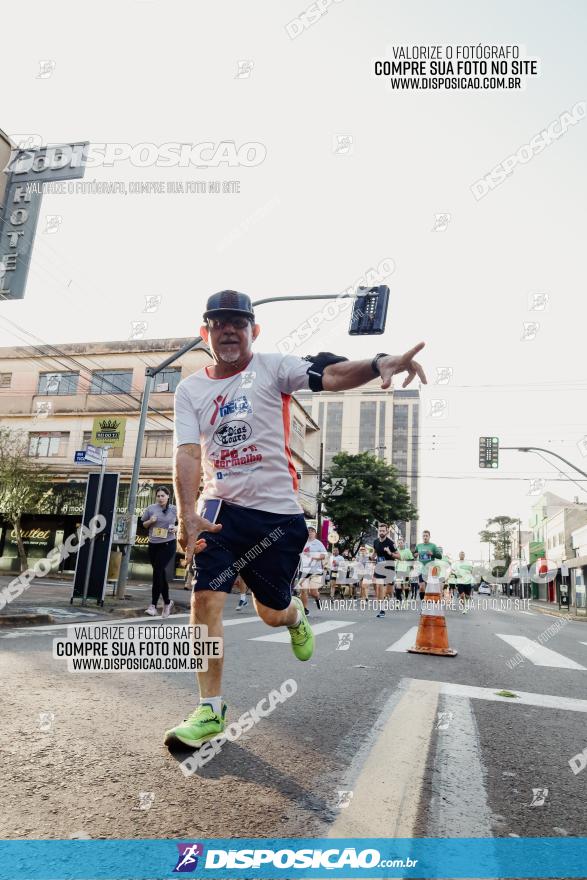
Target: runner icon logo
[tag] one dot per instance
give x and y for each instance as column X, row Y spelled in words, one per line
column 539, row 796
column 344, row 641
column 187, row 860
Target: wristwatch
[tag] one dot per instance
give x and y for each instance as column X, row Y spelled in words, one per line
column 375, row 362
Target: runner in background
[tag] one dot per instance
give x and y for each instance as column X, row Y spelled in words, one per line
column 426, row 552
column 451, row 583
column 415, row 570
column 312, row 556
column 385, row 551
column 465, row 580
column 362, row 573
column 402, row 568
column 242, row 587
column 161, row 521
column 333, row 565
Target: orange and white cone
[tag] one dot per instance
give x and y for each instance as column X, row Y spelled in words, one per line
column 432, row 636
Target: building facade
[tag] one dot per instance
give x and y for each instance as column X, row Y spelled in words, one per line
column 553, row 521
column 53, row 396
column 368, row 419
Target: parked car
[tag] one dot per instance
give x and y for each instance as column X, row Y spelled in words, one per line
column 484, row 588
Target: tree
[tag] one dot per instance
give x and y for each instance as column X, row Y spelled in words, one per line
column 23, row 484
column 500, row 539
column 361, row 489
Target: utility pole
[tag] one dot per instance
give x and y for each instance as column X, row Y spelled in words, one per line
column 320, row 478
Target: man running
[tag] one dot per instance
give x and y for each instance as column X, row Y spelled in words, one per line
column 333, row 566
column 362, row 572
column 402, row 568
column 232, row 421
column 465, row 580
column 312, row 569
column 425, row 553
column 386, row 551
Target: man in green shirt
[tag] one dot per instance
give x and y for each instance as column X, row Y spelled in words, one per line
column 465, row 579
column 426, row 552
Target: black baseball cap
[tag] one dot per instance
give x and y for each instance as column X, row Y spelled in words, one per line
column 228, row 301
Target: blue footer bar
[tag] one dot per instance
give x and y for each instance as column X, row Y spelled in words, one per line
column 256, row 858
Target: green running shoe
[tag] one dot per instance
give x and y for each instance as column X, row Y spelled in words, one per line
column 302, row 637
column 199, row 727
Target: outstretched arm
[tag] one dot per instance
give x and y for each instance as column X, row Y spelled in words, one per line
column 352, row 374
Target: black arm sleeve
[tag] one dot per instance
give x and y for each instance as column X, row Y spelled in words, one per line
column 318, row 363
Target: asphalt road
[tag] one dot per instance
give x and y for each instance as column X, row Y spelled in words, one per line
column 412, row 753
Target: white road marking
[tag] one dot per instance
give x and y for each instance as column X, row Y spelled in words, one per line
column 386, row 792
column 324, row 627
column 524, row 698
column 408, row 640
column 458, row 803
column 538, row 654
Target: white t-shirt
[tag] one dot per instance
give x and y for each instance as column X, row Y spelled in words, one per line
column 310, row 565
column 242, row 424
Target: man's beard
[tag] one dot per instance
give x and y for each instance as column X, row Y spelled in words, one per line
column 230, row 356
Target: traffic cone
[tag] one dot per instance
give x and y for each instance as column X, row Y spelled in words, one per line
column 432, row 636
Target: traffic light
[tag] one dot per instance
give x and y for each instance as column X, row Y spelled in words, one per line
column 369, row 311
column 488, row 452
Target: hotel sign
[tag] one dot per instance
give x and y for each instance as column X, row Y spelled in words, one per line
column 26, row 172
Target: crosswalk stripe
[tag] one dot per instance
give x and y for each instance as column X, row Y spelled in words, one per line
column 323, row 627
column 385, row 795
column 408, row 640
column 538, row 654
column 525, row 698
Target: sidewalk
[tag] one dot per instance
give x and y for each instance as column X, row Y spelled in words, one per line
column 553, row 610
column 47, row 600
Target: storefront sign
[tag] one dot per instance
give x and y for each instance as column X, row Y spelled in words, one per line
column 108, row 432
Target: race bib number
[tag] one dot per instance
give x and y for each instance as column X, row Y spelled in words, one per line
column 160, row 533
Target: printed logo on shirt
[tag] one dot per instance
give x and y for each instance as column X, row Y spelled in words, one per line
column 231, row 458
column 218, row 402
column 240, row 406
column 232, row 432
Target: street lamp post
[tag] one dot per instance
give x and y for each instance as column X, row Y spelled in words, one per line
column 548, row 452
column 151, row 372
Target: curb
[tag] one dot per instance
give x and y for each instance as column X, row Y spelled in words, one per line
column 565, row 615
column 8, row 620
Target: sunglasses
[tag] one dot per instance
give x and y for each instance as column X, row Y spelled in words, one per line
column 221, row 323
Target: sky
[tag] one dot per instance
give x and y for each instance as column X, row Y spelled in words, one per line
column 314, row 216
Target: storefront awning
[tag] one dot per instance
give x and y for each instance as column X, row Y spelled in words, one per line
column 576, row 562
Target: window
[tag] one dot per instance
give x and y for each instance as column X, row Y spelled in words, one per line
column 158, row 444
column 399, row 446
column 381, row 450
column 367, row 426
column 298, row 427
column 170, row 377
column 5, row 380
column 111, row 382
column 46, row 444
column 113, row 452
column 333, row 431
column 58, row 383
